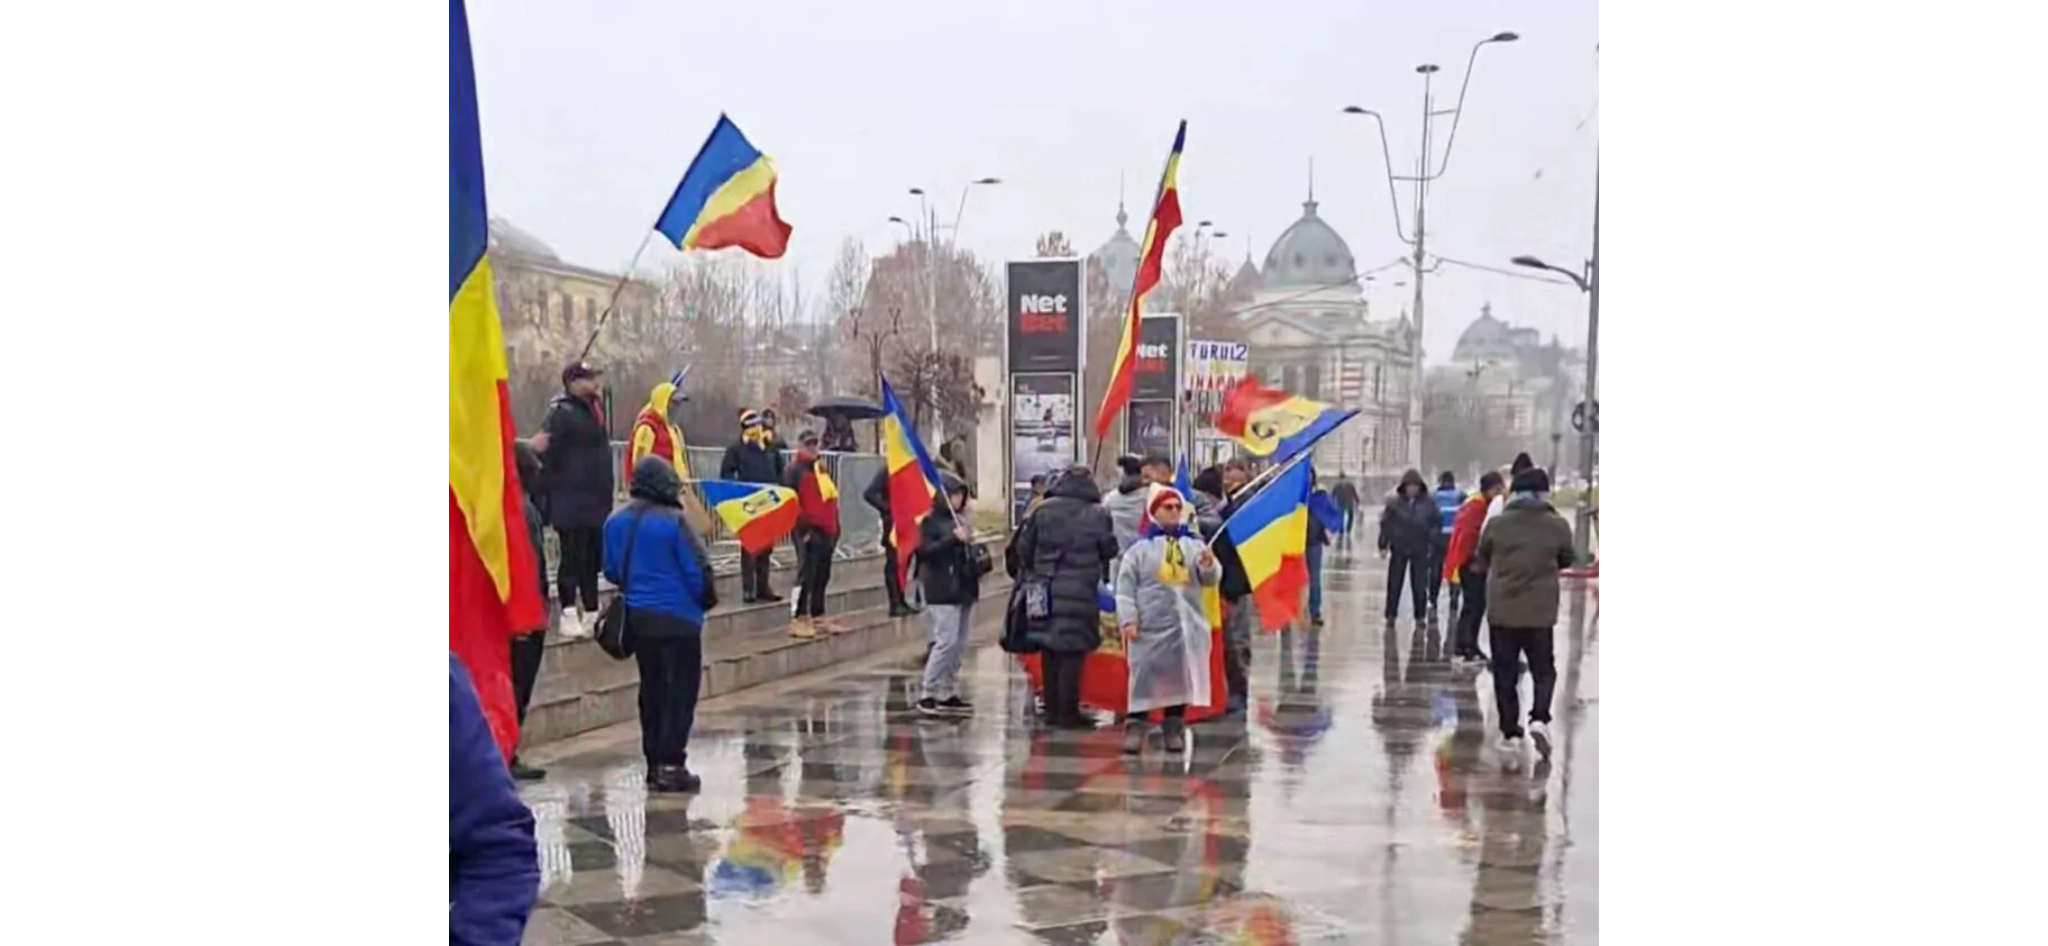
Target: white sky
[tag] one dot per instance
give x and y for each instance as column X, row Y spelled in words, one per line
column 592, row 110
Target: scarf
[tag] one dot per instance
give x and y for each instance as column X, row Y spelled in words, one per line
column 1173, row 567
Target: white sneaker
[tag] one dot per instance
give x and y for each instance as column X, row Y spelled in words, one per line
column 573, row 625
column 1539, row 733
column 1513, row 750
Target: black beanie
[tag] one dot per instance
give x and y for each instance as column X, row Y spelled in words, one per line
column 1532, row 480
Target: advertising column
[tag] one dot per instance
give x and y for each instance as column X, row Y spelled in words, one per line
column 1152, row 421
column 1046, row 312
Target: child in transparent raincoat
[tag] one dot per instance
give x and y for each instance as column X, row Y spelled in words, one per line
column 1159, row 584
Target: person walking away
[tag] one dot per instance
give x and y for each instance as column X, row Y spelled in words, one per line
column 493, row 867
column 528, row 648
column 576, row 460
column 1159, row 585
column 1241, row 613
column 1522, row 464
column 1345, row 494
column 667, row 591
column 1448, row 498
column 949, row 566
column 1126, row 504
column 1460, row 571
column 1408, row 527
column 817, row 533
column 1064, row 550
column 1521, row 554
column 1323, row 518
column 877, row 496
column 751, row 459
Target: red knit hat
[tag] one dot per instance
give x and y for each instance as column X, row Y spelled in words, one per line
column 1161, row 493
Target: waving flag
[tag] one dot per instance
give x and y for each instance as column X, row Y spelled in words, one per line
column 726, row 198
column 493, row 580
column 1151, row 262
column 759, row 515
column 1271, row 535
column 1272, row 422
column 913, row 480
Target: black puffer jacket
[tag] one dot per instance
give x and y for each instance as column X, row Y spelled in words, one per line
column 577, row 467
column 1068, row 541
column 948, row 568
column 1410, row 524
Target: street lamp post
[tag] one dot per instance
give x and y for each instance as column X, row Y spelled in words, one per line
column 1589, row 436
column 1422, row 178
column 931, row 248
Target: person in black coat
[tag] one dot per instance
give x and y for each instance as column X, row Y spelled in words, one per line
column 949, row 567
column 1408, row 533
column 575, row 445
column 753, row 459
column 877, row 495
column 527, row 648
column 1067, row 544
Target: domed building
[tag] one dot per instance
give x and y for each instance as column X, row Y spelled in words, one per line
column 1119, row 256
column 1311, row 332
column 1507, row 390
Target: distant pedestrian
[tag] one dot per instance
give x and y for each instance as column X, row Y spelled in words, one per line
column 1063, row 553
column 816, row 535
column 1522, row 464
column 1521, row 553
column 1448, row 498
column 493, row 866
column 1323, row 518
column 1159, row 584
column 949, row 566
column 528, row 648
column 1345, row 494
column 1241, row 612
column 752, row 459
column 1207, row 516
column 1408, row 530
column 952, row 459
column 1463, row 573
column 1126, row 503
column 839, row 435
column 667, row 591
column 877, row 496
column 575, row 445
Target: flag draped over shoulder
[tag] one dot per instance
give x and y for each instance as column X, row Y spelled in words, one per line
column 758, row 514
column 1272, row 423
column 913, row 479
column 493, row 579
column 1271, row 534
column 726, row 198
column 1151, row 264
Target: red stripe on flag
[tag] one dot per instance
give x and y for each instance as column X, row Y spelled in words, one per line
column 1279, row 597
column 478, row 631
column 909, row 501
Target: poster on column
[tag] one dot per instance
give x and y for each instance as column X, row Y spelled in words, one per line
column 1214, row 366
column 1151, row 422
column 1045, row 309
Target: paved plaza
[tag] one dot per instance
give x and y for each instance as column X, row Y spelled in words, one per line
column 1361, row 801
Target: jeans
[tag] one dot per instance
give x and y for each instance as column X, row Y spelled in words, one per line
column 1315, row 580
column 1415, row 568
column 1508, row 644
column 670, row 670
column 576, row 576
column 814, row 571
column 1466, row 643
column 949, row 623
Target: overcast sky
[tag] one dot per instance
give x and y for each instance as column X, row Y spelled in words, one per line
column 591, row 111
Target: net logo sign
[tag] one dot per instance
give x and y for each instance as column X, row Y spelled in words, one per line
column 1041, row 314
column 1151, row 357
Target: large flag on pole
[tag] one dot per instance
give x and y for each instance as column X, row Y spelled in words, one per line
column 726, row 198
column 1151, row 263
column 493, row 580
column 1272, row 423
column 913, row 479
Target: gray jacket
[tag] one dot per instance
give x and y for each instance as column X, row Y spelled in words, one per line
column 1126, row 507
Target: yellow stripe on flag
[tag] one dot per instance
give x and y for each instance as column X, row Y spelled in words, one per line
column 476, row 444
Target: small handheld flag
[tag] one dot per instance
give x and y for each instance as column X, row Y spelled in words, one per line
column 758, row 515
column 726, row 198
column 1272, row 422
column 1271, row 534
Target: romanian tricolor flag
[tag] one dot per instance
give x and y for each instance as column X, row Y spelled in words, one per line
column 1151, row 263
column 1273, row 423
column 1271, row 535
column 726, row 198
column 493, row 580
column 759, row 515
column 913, row 479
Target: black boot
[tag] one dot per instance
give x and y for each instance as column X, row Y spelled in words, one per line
column 675, row 778
column 521, row 772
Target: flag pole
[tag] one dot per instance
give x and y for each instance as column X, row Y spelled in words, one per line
column 619, row 287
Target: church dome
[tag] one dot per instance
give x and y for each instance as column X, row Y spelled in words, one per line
column 1309, row 253
column 509, row 240
column 1119, row 256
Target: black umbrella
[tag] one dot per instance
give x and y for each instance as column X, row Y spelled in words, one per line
column 846, row 406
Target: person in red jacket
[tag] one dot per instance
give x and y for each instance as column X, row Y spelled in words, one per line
column 1465, row 531
column 817, row 532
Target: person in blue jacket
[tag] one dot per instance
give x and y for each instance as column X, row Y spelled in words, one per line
column 667, row 593
column 1448, row 498
column 493, row 871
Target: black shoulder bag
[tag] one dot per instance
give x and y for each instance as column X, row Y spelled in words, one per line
column 613, row 636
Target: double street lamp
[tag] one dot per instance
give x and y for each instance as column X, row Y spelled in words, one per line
column 931, row 247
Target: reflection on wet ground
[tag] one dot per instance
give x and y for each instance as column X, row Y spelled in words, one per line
column 1361, row 803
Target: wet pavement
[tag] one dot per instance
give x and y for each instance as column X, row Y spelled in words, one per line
column 1361, row 802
